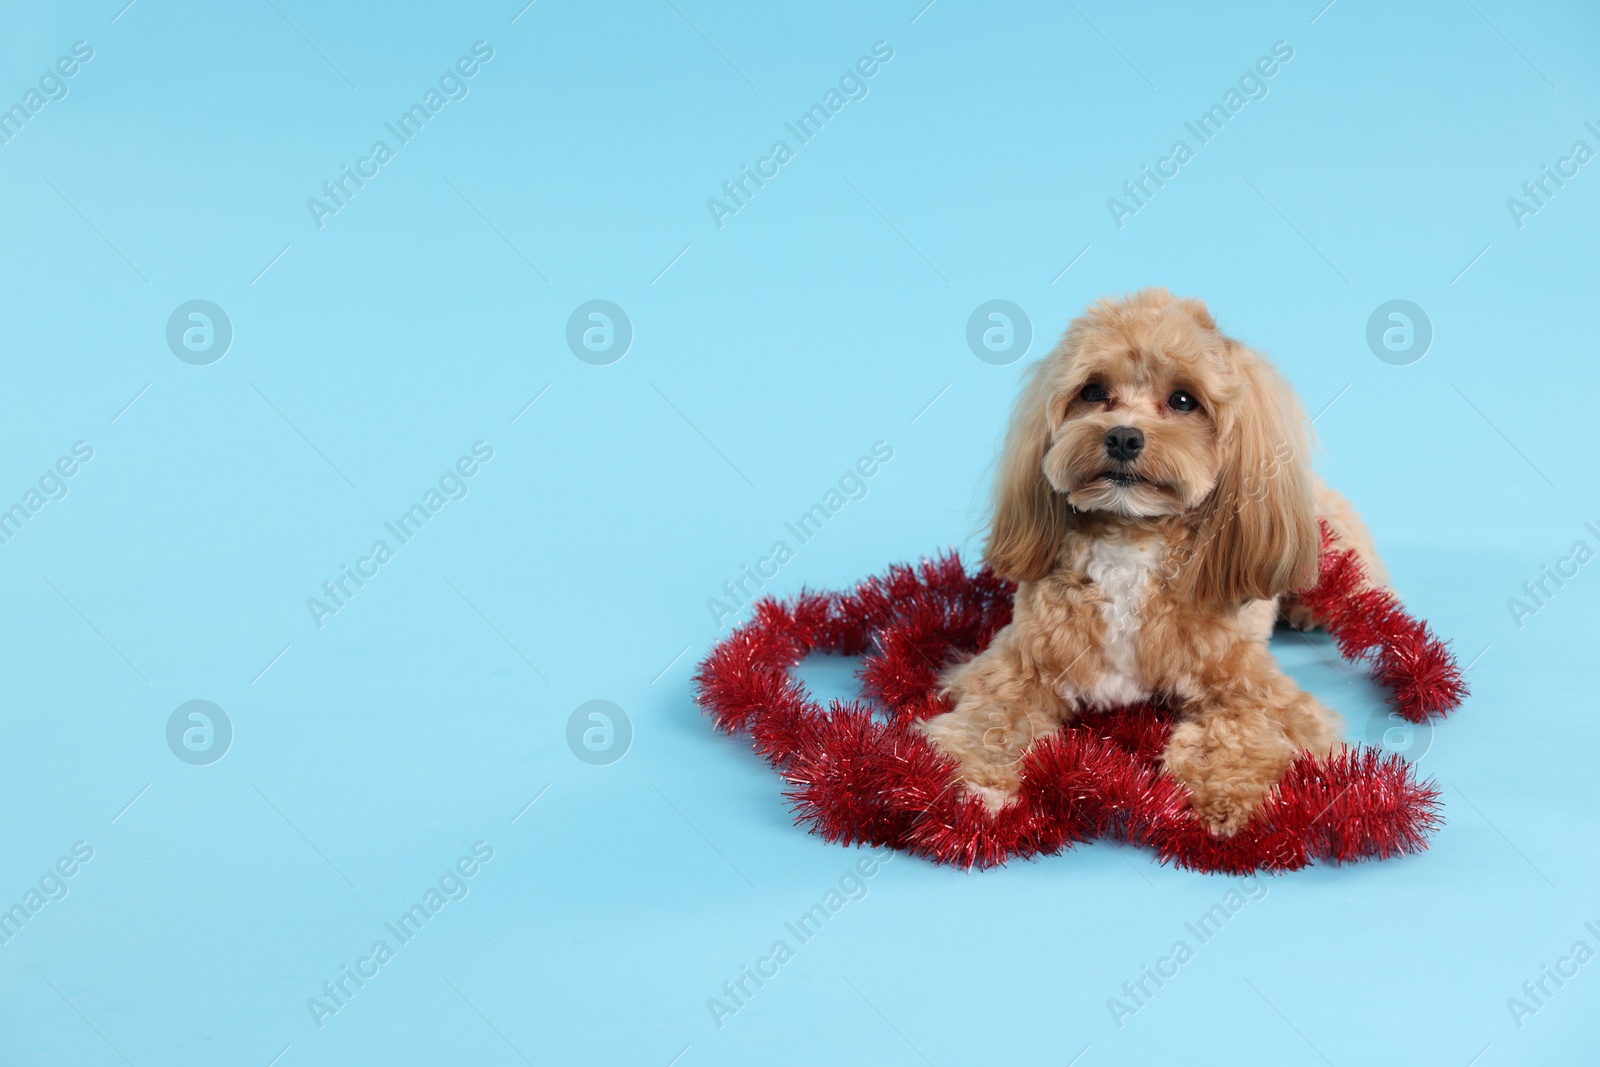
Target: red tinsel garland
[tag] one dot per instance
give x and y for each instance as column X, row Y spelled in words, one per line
column 859, row 774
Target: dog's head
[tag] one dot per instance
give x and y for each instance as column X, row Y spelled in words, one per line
column 1145, row 409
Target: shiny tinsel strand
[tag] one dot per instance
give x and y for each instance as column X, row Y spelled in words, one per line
column 860, row 773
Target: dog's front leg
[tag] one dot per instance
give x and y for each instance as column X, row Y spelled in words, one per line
column 1000, row 709
column 987, row 740
column 1239, row 735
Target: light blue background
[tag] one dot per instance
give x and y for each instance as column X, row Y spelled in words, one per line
column 769, row 354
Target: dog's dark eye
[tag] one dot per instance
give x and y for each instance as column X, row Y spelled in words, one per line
column 1182, row 401
column 1093, row 393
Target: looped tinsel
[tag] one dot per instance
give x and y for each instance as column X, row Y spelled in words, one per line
column 858, row 773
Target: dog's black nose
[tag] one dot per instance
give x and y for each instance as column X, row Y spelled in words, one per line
column 1124, row 443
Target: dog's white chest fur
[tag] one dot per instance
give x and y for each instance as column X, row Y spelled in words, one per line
column 1120, row 571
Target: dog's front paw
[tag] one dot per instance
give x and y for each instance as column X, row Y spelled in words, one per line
column 1297, row 615
column 1224, row 816
column 986, row 748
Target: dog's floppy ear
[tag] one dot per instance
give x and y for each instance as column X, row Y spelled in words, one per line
column 1030, row 517
column 1258, row 534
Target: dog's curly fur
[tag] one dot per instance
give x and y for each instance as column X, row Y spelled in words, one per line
column 1157, row 575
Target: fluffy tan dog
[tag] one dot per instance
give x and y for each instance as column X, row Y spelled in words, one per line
column 1154, row 502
